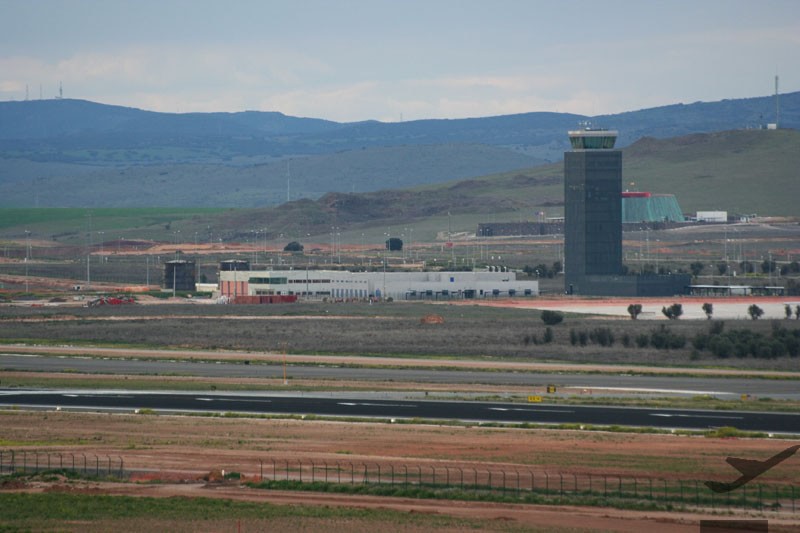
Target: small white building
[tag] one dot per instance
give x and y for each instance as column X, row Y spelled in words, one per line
column 341, row 284
column 712, row 216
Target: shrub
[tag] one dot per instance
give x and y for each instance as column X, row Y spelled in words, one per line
column 673, row 312
column 634, row 310
column 642, row 340
column 583, row 338
column 755, row 312
column 602, row 336
column 716, row 328
column 548, row 335
column 573, row 337
column 551, row 318
column 293, row 246
column 626, row 340
column 708, row 309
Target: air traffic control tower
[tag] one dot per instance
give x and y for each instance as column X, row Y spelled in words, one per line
column 593, row 207
column 593, row 223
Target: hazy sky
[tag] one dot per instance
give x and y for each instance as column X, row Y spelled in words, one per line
column 350, row 60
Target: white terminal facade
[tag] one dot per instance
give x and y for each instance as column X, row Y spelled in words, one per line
column 342, row 284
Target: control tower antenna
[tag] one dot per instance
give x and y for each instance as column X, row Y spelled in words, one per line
column 777, row 105
column 60, row 91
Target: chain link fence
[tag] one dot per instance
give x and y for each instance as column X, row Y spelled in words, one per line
column 474, row 482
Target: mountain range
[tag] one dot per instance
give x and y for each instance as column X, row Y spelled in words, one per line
column 75, row 153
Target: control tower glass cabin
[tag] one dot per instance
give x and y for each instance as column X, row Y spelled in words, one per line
column 593, row 207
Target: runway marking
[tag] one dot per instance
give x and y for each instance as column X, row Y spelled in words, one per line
column 530, row 410
column 97, row 395
column 353, row 404
column 635, row 389
column 668, row 415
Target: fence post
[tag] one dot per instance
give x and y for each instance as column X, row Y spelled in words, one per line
column 326, row 471
column 605, row 486
column 620, row 485
column 419, row 475
column 575, row 479
column 590, row 484
column 405, row 471
column 461, row 472
column 287, row 470
column 84, row 463
column 517, row 472
column 447, row 477
column 532, row 480
column 475, row 471
column 352, row 473
column 680, row 482
column 635, row 488
column 392, row 467
column 36, row 461
column 48, row 461
column 490, row 480
column 73, row 461
column 504, row 481
column 313, row 478
column 561, row 491
column 121, row 467
column 97, row 466
column 651, row 487
column 365, row 480
column 546, row 482
column 109, row 465
column 665, row 490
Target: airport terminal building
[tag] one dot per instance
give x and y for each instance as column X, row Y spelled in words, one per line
column 344, row 285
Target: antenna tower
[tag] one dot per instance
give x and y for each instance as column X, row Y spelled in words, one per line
column 777, row 105
column 60, row 91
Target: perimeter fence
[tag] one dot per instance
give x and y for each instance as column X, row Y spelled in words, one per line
column 438, row 480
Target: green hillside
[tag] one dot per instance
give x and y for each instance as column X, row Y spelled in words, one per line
column 746, row 171
column 743, row 171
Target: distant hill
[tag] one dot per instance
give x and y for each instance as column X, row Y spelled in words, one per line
column 743, row 171
column 79, row 153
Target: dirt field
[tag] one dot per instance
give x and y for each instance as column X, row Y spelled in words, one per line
column 180, row 450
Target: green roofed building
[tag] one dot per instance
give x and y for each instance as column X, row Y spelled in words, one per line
column 646, row 207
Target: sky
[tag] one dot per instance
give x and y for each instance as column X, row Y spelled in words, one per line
column 398, row 60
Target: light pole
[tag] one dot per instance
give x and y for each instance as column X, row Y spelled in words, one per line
column 27, row 256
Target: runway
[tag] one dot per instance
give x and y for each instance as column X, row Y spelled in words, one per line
column 476, row 412
column 726, row 388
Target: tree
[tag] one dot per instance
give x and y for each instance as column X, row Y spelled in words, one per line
column 635, row 310
column 551, row 318
column 708, row 309
column 788, row 311
column 394, row 244
column 696, row 268
column 293, row 246
column 673, row 312
column 797, row 312
column 722, row 268
column 755, row 312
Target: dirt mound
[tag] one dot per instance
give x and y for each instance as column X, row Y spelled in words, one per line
column 432, row 319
